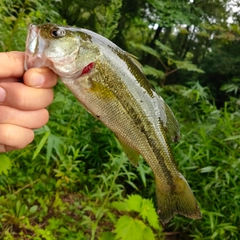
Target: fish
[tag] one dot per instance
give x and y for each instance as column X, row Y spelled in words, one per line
column 111, row 85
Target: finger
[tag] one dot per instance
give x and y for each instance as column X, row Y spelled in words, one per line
column 12, row 64
column 15, row 136
column 40, row 78
column 4, row 148
column 10, row 79
column 20, row 96
column 28, row 119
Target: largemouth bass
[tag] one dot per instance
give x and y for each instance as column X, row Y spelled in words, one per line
column 110, row 84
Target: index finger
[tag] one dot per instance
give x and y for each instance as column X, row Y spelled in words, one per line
column 12, row 64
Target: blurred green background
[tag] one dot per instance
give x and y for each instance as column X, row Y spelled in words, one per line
column 74, row 182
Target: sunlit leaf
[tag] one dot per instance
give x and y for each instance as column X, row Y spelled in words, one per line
column 107, row 236
column 5, row 164
column 130, row 228
column 134, row 203
column 149, row 212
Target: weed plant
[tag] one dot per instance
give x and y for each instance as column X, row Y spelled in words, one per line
column 74, row 181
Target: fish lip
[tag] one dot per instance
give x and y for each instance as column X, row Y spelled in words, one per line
column 31, row 44
column 32, row 53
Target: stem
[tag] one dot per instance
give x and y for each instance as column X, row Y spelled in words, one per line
column 106, row 200
column 26, row 186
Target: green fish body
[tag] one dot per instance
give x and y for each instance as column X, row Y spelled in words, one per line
column 110, row 84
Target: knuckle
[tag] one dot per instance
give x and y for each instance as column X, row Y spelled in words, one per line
column 14, row 136
column 3, row 148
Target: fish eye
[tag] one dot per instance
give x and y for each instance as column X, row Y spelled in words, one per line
column 57, row 32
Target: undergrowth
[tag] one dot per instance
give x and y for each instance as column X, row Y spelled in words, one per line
column 74, row 182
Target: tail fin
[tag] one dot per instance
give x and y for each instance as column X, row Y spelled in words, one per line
column 178, row 200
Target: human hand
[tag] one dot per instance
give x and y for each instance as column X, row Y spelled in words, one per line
column 22, row 105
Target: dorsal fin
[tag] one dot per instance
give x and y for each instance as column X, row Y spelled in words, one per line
column 135, row 60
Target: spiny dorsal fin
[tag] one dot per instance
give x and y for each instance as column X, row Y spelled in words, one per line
column 134, row 59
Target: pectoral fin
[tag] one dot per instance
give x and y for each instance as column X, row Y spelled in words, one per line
column 131, row 153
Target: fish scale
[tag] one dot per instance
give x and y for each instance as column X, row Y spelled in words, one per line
column 110, row 84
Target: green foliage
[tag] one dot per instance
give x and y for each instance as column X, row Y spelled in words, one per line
column 108, row 17
column 168, row 61
column 134, row 225
column 232, row 87
column 74, row 182
column 209, row 151
column 127, row 226
column 5, row 164
column 143, row 207
column 16, row 15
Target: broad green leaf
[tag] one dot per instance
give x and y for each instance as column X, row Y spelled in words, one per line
column 130, row 228
column 148, row 212
column 107, row 236
column 134, row 203
column 120, row 206
column 5, row 164
column 148, row 234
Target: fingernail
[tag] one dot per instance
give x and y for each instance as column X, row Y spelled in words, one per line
column 36, row 80
column 2, row 94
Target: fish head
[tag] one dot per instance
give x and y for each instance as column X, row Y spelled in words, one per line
column 68, row 51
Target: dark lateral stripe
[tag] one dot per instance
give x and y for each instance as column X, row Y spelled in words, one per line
column 136, row 72
column 137, row 117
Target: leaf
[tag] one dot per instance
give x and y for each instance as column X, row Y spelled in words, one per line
column 120, row 206
column 129, row 228
column 134, row 203
column 187, row 65
column 147, row 49
column 148, row 234
column 148, row 212
column 232, row 138
column 164, row 48
column 148, row 70
column 40, row 145
column 231, row 87
column 33, row 209
column 54, row 142
column 142, row 173
column 107, row 236
column 5, row 164
column 207, row 169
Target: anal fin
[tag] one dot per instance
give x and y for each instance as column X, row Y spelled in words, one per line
column 131, row 153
